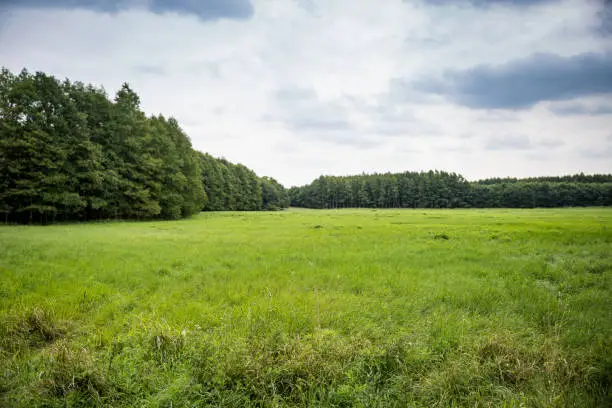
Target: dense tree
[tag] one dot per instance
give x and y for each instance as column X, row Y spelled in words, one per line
column 435, row 189
column 274, row 196
column 67, row 152
column 42, row 137
column 232, row 186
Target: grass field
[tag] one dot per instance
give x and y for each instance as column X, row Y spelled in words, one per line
column 423, row 308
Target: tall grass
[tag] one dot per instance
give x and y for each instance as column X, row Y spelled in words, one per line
column 344, row 308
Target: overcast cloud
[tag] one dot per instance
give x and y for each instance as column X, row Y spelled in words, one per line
column 298, row 88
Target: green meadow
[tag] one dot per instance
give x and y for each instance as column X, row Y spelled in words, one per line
column 330, row 308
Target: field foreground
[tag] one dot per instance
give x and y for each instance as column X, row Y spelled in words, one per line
column 311, row 308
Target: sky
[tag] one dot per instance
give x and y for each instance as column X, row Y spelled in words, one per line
column 298, row 88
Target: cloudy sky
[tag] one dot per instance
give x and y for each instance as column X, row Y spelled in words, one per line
column 298, row 88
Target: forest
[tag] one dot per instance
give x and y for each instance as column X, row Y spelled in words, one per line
column 439, row 189
column 68, row 153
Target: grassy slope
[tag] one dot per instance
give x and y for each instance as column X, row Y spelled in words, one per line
column 330, row 308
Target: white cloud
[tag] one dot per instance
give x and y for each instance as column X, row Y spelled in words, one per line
column 356, row 59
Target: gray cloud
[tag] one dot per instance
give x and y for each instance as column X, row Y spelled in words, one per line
column 95, row 5
column 393, row 113
column 402, row 90
column 301, row 110
column 525, row 82
column 292, row 94
column 515, row 142
column 307, row 5
column 346, row 139
column 413, row 130
column 605, row 18
column 550, row 143
column 581, row 109
column 149, row 69
column 310, row 118
column 521, row 142
column 426, row 42
column 496, row 116
column 397, row 123
column 453, row 149
column 601, row 153
column 486, row 3
column 319, row 123
column 409, row 150
column 287, row 146
column 204, row 9
column 208, row 68
column 219, row 110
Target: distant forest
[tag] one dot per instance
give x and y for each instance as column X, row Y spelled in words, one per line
column 438, row 189
column 68, row 152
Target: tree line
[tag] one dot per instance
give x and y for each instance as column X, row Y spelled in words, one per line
column 68, row 152
column 439, row 189
column 235, row 187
